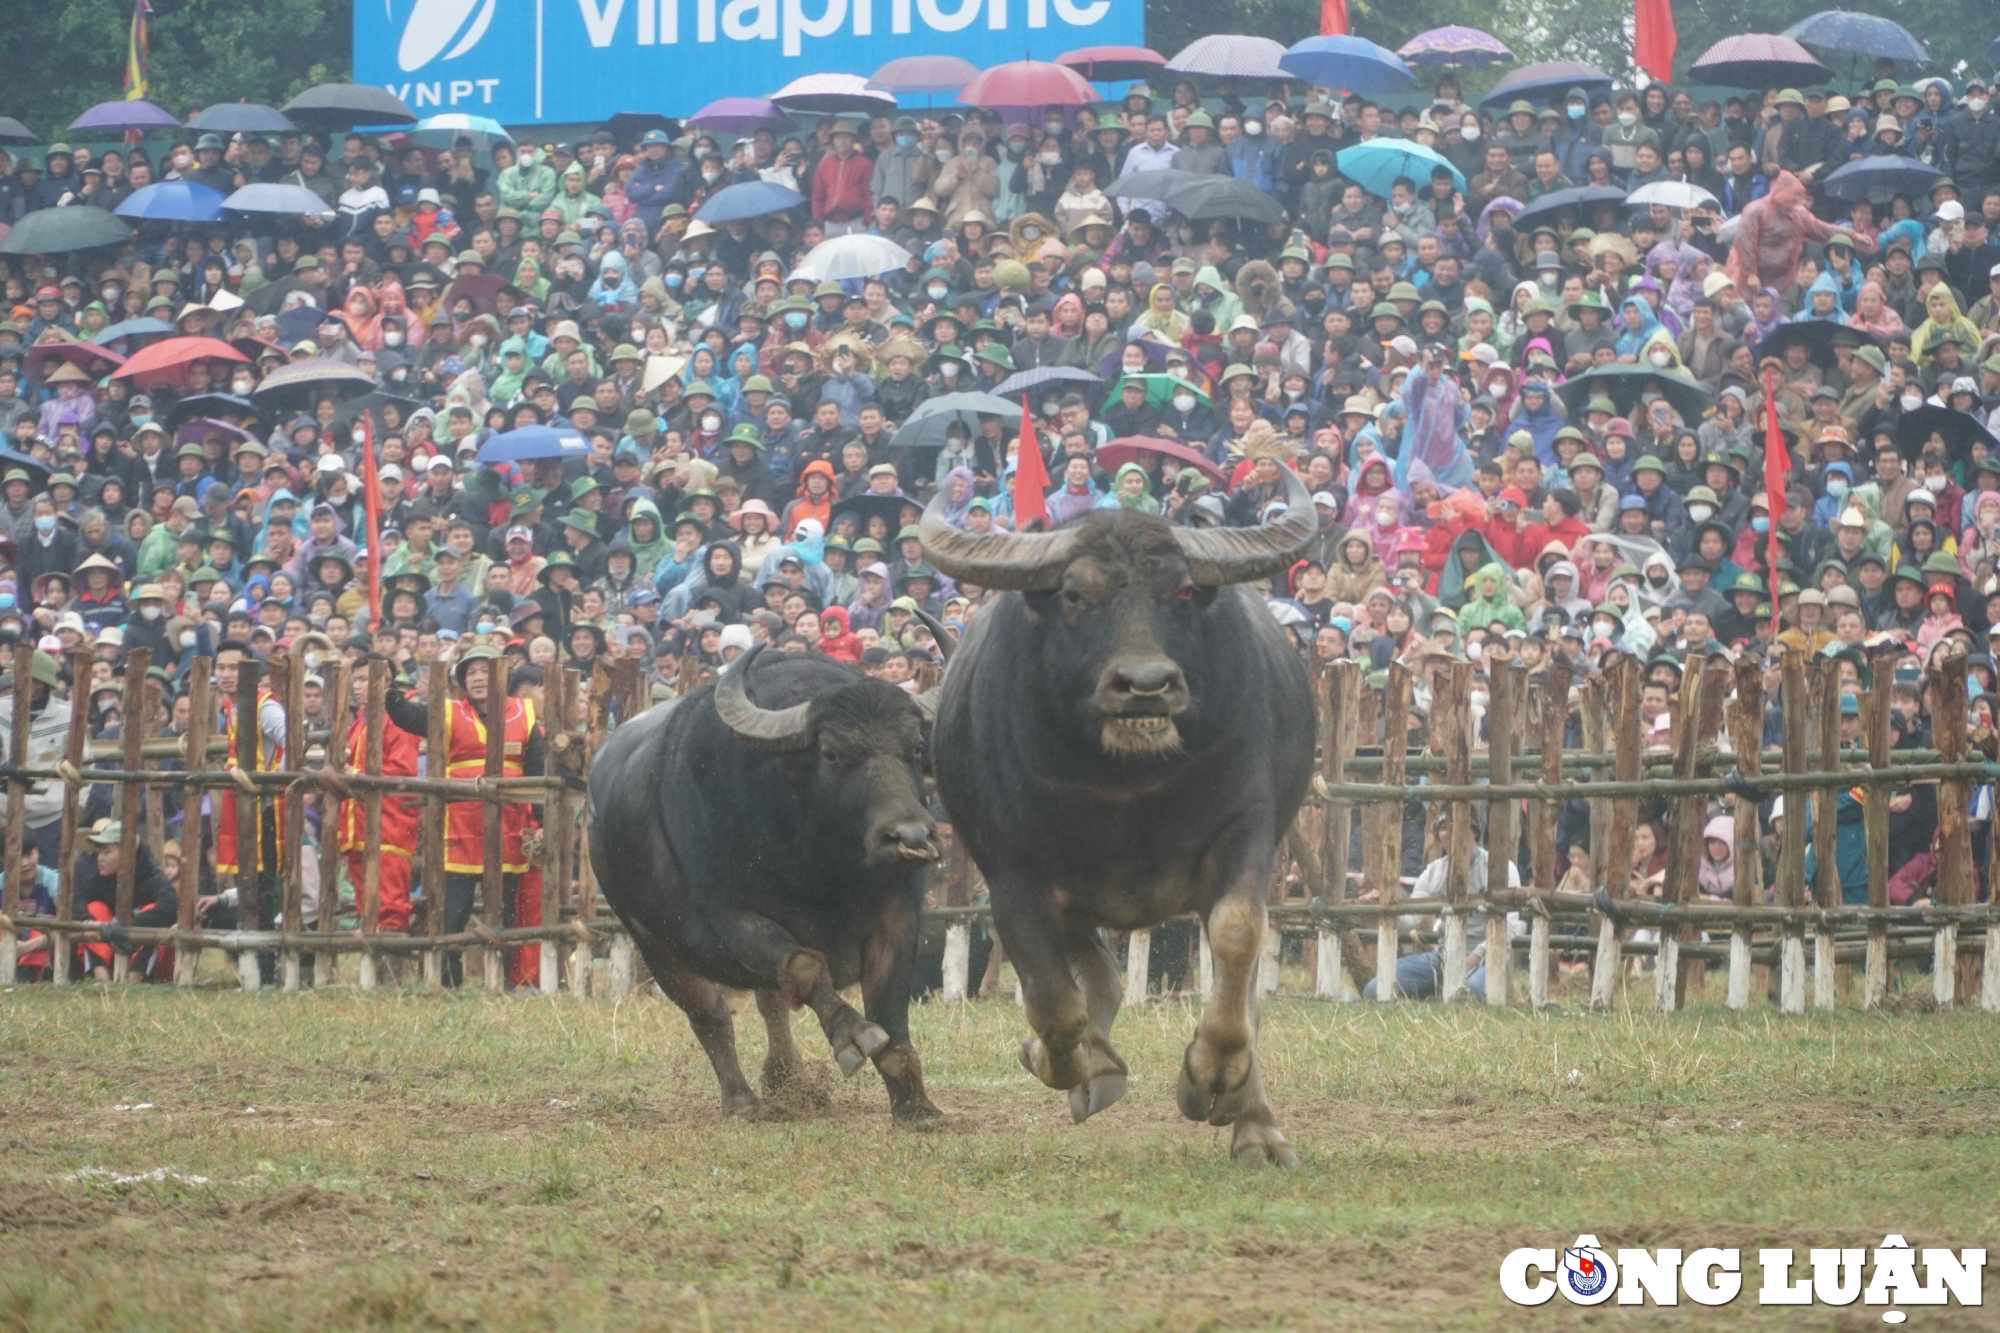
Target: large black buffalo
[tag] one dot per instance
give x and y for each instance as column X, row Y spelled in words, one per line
column 777, row 846
column 1121, row 738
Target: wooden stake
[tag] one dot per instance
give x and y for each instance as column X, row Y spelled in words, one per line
column 339, row 709
column 1875, row 727
column 1628, row 752
column 1502, row 825
column 1796, row 710
column 1746, row 738
column 132, row 731
column 249, row 844
column 73, row 752
column 1954, row 873
column 293, row 852
column 369, row 898
column 437, row 703
column 1827, row 881
column 201, row 717
column 1386, row 843
column 17, row 808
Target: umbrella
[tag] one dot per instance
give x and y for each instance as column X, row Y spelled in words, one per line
column 38, row 471
column 855, row 256
column 1113, row 64
column 203, row 428
column 172, row 201
column 1377, row 164
column 1453, row 46
column 1027, row 381
column 372, row 404
column 1114, row 454
column 1818, row 336
column 1228, row 56
column 304, row 381
column 833, row 94
column 1577, row 197
column 342, row 106
column 169, row 359
column 861, row 508
column 1548, row 77
column 58, row 231
column 928, row 75
column 142, row 327
column 1757, row 60
column 275, row 197
column 1159, row 388
column 214, row 406
column 1028, row 83
column 1624, row 384
column 1208, row 198
column 751, row 199
column 1154, row 349
column 1862, row 34
column 1881, row 178
column 117, row 117
column 1353, row 63
column 444, row 131
column 533, row 442
column 13, row 131
column 1957, row 429
column 742, row 115
column 1154, row 184
column 79, row 354
column 242, row 118
column 1674, row 194
column 628, row 127
column 930, row 419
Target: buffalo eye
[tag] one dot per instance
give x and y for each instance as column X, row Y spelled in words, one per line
column 829, row 754
column 1185, row 592
column 1072, row 596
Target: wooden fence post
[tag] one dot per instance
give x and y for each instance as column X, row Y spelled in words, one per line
column 1342, row 696
column 132, row 721
column 492, row 905
column 249, row 740
column 1746, row 739
column 293, row 843
column 1826, row 886
column 201, row 716
column 1451, row 733
column 1954, row 873
column 1628, row 752
column 17, row 808
column 1683, row 834
column 555, row 832
column 368, row 896
column 437, row 704
column 1386, row 842
column 1795, row 709
column 338, row 705
column 74, row 748
column 1554, row 704
column 1502, row 824
column 582, row 958
column 1875, row 727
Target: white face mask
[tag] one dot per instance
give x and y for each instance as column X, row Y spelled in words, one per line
column 1935, row 485
column 1051, row 157
column 1912, row 401
column 944, row 154
column 1700, row 513
column 1975, row 105
column 1628, row 118
column 391, row 338
column 150, row 612
column 1661, row 358
column 1183, row 402
column 187, row 638
column 949, row 370
column 1251, row 129
column 477, row 340
column 1468, row 132
column 241, row 388
column 711, row 423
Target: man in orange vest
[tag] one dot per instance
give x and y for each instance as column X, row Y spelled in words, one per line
column 258, row 748
column 475, row 674
column 399, row 813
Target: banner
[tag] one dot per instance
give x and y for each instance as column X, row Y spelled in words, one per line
column 578, row 61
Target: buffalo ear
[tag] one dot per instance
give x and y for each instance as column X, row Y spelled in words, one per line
column 1039, row 602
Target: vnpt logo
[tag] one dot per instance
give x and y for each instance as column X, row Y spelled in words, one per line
column 440, row 29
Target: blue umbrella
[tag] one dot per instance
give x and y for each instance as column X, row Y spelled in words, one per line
column 1881, row 178
column 751, row 199
column 277, row 197
column 172, row 201
column 136, row 114
column 1375, row 165
column 134, row 328
column 1351, row 63
column 1862, row 34
column 1548, row 77
column 242, row 118
column 532, row 442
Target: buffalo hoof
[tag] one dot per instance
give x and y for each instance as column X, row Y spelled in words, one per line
column 1062, row 1073
column 1097, row 1094
column 739, row 1104
column 857, row 1045
column 1257, row 1142
column 1214, row 1088
column 917, row 1111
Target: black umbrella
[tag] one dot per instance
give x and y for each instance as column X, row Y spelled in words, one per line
column 1818, row 336
column 342, row 106
column 1957, row 429
column 303, row 382
column 13, row 131
column 38, row 472
column 864, row 507
column 1578, row 197
column 215, row 406
column 1208, row 198
column 628, row 127
column 242, row 118
column 59, row 231
column 1624, row 384
column 372, row 404
column 1027, row 381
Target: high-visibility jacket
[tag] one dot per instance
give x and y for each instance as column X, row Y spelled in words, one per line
column 465, row 757
column 257, row 756
column 399, row 813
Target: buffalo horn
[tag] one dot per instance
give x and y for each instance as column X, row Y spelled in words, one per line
column 1022, row 561
column 764, row 728
column 1237, row 555
column 945, row 641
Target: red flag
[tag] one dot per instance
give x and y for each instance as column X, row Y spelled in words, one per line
column 1031, row 476
column 371, row 494
column 1777, row 473
column 1333, row 18
column 1653, row 38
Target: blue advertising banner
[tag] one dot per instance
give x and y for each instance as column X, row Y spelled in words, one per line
column 572, row 61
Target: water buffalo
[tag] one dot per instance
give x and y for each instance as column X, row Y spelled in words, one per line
column 776, row 846
column 1121, row 738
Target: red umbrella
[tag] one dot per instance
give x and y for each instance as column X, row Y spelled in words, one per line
column 1113, row 64
column 1028, row 83
column 169, row 360
column 1125, row 449
column 82, row 355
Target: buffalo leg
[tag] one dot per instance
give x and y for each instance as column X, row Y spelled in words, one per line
column 885, row 994
column 1092, row 966
column 1056, row 1008
column 707, row 1010
column 1220, row 1081
column 768, row 952
column 781, row 1054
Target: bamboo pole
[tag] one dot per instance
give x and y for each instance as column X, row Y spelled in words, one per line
column 201, row 717
column 1876, row 734
column 1628, row 747
column 368, row 899
column 1554, row 704
column 437, row 705
column 73, row 751
column 249, row 737
column 1746, row 733
column 1826, row 821
column 292, row 850
column 582, row 962
column 1795, row 711
column 17, row 804
column 154, row 826
column 339, row 708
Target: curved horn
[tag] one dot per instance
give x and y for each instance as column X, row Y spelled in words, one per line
column 945, row 641
column 1237, row 555
column 1023, row 561
column 764, row 728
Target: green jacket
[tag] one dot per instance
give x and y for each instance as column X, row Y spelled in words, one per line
column 529, row 189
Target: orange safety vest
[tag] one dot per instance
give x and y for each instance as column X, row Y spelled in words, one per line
column 465, row 757
column 399, row 813
column 226, row 859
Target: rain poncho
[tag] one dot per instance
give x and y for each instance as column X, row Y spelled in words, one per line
column 1772, row 234
column 1631, row 341
column 1117, row 499
column 1488, row 603
column 1432, row 436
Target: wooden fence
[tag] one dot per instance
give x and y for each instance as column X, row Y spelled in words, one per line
column 1513, row 782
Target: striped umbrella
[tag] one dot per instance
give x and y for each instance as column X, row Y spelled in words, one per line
column 1453, row 45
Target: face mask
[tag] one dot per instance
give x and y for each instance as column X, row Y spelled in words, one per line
column 391, row 338
column 187, row 638
column 528, row 158
column 1912, row 401
column 905, row 140
column 1836, row 486
column 711, row 423
column 241, row 388
column 45, row 523
column 1935, row 485
column 944, row 154
column 1251, row 129
column 484, row 627
column 1628, row 118
column 1661, row 359
column 971, row 150
column 1030, row 233
column 1575, row 111
column 949, row 370
column 1975, row 105
column 1700, row 513
column 1052, row 127
column 1183, row 402
column 795, row 319
column 694, row 274
column 711, row 175
column 1051, row 408
column 1760, row 525
column 477, row 340
column 937, row 293
column 150, row 612
column 1468, row 132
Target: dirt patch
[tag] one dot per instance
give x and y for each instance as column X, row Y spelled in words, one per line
column 293, row 1201
column 806, row 1094
column 28, row 1208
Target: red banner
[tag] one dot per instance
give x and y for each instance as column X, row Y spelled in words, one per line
column 1333, row 18
column 1653, row 38
column 1031, row 477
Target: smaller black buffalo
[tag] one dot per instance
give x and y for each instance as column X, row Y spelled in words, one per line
column 779, row 847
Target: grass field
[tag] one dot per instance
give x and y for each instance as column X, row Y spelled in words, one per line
column 339, row 1160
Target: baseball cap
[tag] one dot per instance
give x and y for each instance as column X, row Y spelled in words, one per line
column 518, row 531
